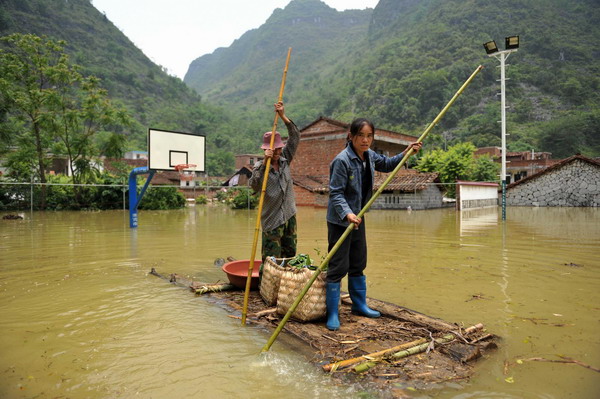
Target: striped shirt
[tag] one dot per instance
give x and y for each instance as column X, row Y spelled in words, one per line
column 279, row 204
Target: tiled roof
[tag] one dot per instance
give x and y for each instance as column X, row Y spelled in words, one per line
column 343, row 125
column 166, row 178
column 554, row 167
column 405, row 180
column 315, row 184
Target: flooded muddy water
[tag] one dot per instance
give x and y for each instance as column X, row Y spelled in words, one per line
column 81, row 318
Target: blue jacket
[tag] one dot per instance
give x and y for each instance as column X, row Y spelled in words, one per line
column 345, row 181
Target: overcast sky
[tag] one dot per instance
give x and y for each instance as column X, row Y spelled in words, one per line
column 173, row 33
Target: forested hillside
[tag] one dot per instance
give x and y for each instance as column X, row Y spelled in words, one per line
column 414, row 54
column 248, row 73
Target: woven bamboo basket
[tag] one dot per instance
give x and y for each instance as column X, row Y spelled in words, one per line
column 312, row 306
column 271, row 277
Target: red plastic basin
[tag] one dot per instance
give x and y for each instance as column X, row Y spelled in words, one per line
column 237, row 273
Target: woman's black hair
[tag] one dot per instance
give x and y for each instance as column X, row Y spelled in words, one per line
column 358, row 124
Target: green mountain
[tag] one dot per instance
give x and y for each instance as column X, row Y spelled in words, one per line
column 249, row 72
column 401, row 62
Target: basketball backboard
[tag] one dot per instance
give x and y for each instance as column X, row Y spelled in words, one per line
column 166, row 149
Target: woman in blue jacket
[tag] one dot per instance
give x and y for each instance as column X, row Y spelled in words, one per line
column 351, row 176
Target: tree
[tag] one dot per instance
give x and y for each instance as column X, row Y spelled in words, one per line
column 485, row 169
column 55, row 106
column 220, row 163
column 573, row 133
column 80, row 109
column 24, row 84
column 458, row 163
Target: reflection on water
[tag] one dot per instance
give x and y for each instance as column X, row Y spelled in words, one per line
column 475, row 221
column 80, row 317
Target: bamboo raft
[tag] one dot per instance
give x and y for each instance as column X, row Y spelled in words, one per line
column 403, row 349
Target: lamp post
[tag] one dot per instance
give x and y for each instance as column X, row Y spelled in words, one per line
column 511, row 45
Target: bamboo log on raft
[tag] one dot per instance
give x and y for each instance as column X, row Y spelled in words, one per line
column 217, row 287
column 350, row 362
column 197, row 287
column 380, row 354
column 366, row 366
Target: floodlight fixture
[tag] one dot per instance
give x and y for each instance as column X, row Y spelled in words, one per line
column 490, row 47
column 512, row 42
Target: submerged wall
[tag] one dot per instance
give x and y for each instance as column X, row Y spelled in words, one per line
column 428, row 198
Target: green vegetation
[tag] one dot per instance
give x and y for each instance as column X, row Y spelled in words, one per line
column 238, row 198
column 244, row 199
column 162, row 198
column 107, row 192
column 458, row 163
column 201, row 200
column 301, row 261
column 52, row 109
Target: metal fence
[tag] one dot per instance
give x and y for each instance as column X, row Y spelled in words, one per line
column 27, row 195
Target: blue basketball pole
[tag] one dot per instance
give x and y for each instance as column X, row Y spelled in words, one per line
column 134, row 199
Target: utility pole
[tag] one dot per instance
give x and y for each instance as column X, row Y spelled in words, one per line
column 512, row 44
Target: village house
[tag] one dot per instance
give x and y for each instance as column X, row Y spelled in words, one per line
column 136, row 155
column 240, row 177
column 244, row 163
column 519, row 164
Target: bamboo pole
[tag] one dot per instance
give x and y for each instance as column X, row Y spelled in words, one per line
column 362, row 212
column 371, row 356
column 413, row 350
column 350, row 362
column 207, row 288
column 262, row 195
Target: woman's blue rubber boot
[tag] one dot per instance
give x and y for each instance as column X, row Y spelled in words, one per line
column 333, row 303
column 357, row 286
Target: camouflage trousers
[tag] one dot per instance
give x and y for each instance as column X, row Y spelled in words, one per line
column 280, row 242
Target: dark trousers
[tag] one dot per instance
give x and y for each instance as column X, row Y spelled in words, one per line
column 351, row 256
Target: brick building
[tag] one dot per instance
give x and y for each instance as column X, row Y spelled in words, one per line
column 519, row 164
column 242, row 160
column 323, row 139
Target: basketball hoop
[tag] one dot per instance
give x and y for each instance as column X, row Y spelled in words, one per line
column 187, row 171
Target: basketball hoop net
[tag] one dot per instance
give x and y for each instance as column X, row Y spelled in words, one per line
column 187, row 171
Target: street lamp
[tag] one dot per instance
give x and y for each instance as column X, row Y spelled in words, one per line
column 511, row 45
